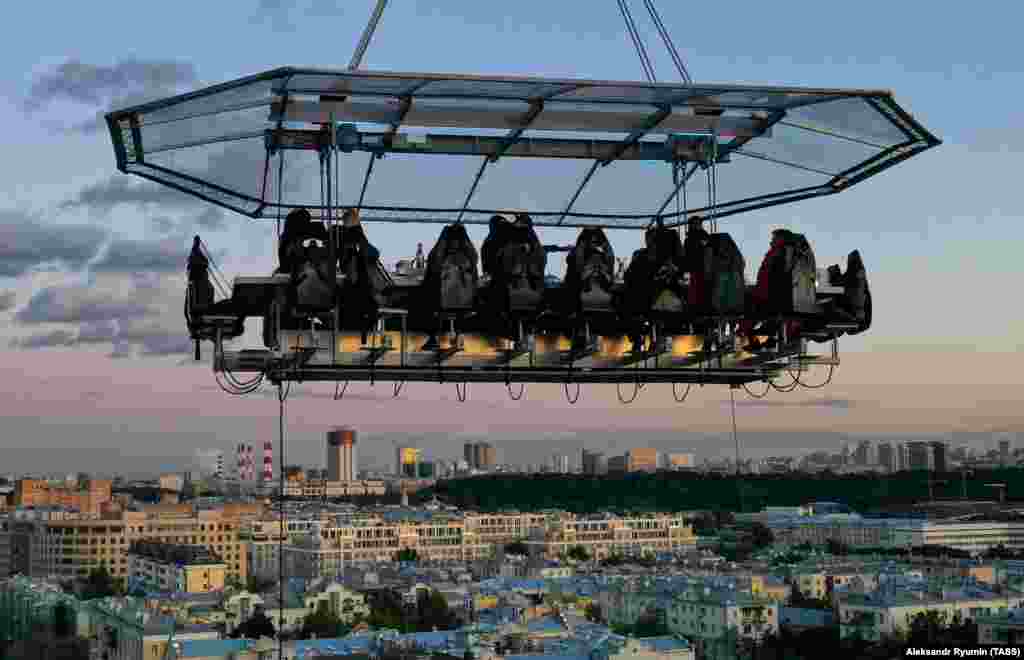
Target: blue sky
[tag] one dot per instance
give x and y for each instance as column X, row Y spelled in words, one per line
column 941, row 233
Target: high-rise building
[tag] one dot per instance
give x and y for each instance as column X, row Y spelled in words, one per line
column 407, row 460
column 469, row 454
column 863, row 454
column 938, row 452
column 560, row 464
column 642, row 459
column 1004, row 451
column 341, row 454
column 678, row 460
column 887, row 457
column 594, row 462
column 268, row 461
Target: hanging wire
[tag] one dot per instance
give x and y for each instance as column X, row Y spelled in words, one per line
column 735, row 435
column 618, row 392
column 685, row 394
column 339, row 390
column 571, row 400
column 828, row 379
column 398, row 388
column 282, row 396
column 516, row 397
column 767, row 387
column 461, row 393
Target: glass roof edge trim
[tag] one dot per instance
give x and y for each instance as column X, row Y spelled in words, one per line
column 889, row 105
column 584, row 82
column 138, row 169
column 288, row 72
column 209, row 90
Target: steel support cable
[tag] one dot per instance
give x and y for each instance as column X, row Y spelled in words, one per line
column 218, row 278
column 672, row 51
column 282, row 396
column 634, row 34
column 735, row 434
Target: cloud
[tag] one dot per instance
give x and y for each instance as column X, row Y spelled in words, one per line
column 78, row 303
column 26, row 242
column 46, row 340
column 130, row 256
column 103, row 196
column 7, row 300
column 127, row 82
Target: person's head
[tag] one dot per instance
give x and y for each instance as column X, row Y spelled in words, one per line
column 694, row 223
column 779, row 237
column 298, row 216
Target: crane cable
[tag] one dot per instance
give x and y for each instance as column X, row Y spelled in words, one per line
column 634, row 34
column 673, row 53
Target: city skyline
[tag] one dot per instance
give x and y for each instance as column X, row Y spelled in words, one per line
column 94, row 359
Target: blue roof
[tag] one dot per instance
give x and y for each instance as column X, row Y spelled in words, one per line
column 665, row 644
column 801, row 616
column 200, row 648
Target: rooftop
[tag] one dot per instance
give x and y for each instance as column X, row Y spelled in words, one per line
column 168, row 553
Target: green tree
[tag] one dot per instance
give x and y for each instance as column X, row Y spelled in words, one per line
column 578, row 553
column 407, row 554
column 593, row 612
column 100, row 584
column 517, row 547
column 323, row 623
column 761, row 535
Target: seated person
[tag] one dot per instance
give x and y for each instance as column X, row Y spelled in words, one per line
column 298, row 228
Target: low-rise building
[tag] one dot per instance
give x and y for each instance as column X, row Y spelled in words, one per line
column 171, row 567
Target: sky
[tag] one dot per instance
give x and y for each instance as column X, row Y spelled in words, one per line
column 93, row 351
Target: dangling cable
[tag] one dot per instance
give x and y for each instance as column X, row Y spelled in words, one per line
column 735, row 435
column 398, row 388
column 339, row 390
column 282, row 395
column 767, row 386
column 685, row 394
column 516, row 397
column 796, row 379
column 461, row 394
column 572, row 400
column 622, row 400
column 785, row 389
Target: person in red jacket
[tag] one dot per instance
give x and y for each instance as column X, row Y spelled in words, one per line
column 763, row 298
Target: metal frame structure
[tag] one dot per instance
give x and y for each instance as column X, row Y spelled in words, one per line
column 298, row 109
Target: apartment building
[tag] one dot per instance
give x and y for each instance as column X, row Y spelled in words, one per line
column 323, row 488
column 602, row 536
column 503, row 528
column 718, row 617
column 171, row 567
column 87, row 496
column 887, row 611
column 71, row 545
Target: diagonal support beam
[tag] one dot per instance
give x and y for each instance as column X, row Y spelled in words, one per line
column 675, row 191
column 648, row 124
column 510, row 139
column 403, row 109
column 576, row 195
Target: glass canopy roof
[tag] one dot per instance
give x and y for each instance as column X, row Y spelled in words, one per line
column 569, row 152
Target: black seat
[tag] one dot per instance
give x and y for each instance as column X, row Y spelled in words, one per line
column 590, row 272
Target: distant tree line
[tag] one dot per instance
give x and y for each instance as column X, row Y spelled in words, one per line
column 676, row 491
